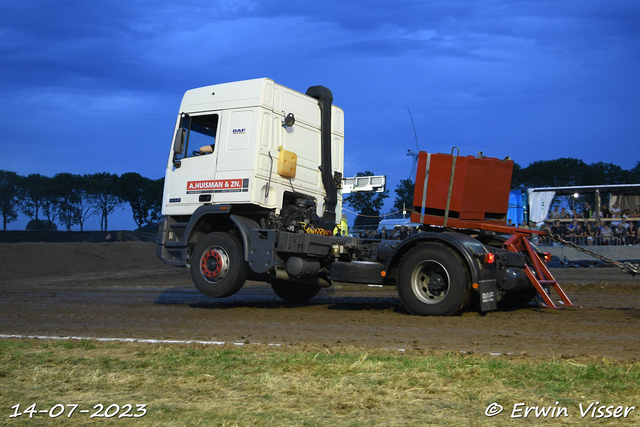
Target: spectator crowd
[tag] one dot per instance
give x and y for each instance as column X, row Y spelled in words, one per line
column 613, row 226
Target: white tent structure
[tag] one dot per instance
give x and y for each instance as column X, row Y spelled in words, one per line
column 540, row 198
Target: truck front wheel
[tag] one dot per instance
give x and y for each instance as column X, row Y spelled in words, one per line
column 433, row 281
column 217, row 265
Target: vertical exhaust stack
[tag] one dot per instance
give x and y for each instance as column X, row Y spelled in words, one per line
column 325, row 99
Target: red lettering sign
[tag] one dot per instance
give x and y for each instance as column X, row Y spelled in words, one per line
column 218, row 184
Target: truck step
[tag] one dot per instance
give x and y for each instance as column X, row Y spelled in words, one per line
column 178, row 244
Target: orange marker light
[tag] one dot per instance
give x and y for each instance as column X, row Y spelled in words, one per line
column 474, row 286
column 489, row 258
column 383, row 273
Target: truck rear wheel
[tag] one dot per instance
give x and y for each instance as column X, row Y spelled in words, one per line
column 294, row 292
column 217, row 265
column 433, row 281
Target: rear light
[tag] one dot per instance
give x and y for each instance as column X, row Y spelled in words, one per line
column 489, row 258
column 546, row 257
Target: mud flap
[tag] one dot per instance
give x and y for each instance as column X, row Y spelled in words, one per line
column 488, row 290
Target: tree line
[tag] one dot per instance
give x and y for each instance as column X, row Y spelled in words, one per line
column 543, row 173
column 71, row 199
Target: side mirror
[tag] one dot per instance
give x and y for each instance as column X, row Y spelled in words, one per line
column 178, row 142
column 178, row 146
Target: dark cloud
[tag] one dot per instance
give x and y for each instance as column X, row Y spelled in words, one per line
column 532, row 79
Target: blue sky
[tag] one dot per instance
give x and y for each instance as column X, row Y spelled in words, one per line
column 95, row 86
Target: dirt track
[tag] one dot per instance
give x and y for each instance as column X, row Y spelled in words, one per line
column 122, row 290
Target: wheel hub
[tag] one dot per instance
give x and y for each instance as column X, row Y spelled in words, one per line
column 430, row 282
column 214, row 264
column 436, row 284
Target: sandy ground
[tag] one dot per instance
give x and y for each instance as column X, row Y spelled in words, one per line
column 122, row 290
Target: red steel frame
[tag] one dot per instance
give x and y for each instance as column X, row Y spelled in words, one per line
column 539, row 275
column 518, row 243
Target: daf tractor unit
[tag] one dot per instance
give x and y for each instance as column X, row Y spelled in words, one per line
column 253, row 188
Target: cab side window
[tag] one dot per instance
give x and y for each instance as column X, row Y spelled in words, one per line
column 200, row 135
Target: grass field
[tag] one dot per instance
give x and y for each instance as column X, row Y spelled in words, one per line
column 303, row 386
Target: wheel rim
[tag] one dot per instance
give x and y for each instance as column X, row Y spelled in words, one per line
column 430, row 282
column 214, row 264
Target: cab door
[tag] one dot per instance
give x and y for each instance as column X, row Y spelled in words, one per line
column 191, row 172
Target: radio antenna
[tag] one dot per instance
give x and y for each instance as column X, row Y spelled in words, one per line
column 413, row 154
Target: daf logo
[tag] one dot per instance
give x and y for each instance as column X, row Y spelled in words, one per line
column 487, row 296
column 238, row 131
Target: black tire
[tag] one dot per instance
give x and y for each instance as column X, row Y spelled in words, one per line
column 294, row 292
column 433, row 281
column 217, row 265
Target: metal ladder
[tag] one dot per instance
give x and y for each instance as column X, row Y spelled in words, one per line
column 539, row 275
